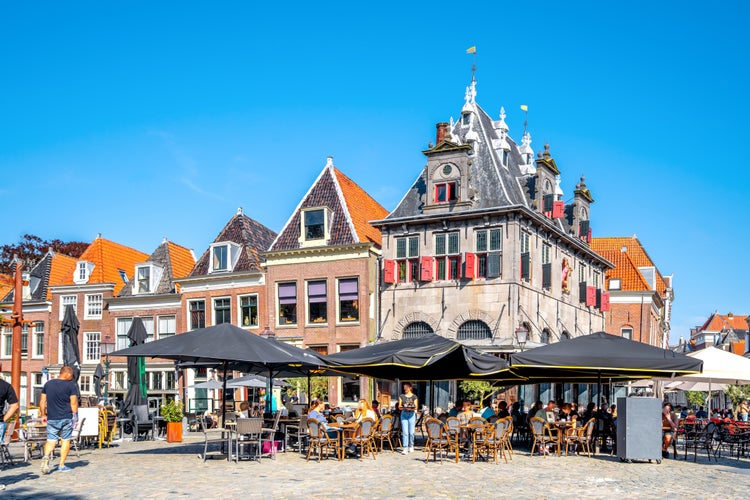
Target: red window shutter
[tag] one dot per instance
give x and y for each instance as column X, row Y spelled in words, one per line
column 605, row 302
column 588, row 236
column 470, row 265
column 426, row 268
column 389, row 271
column 558, row 210
column 590, row 295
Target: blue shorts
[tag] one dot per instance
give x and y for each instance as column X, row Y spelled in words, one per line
column 59, row 429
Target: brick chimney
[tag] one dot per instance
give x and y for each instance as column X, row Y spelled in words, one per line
column 442, row 131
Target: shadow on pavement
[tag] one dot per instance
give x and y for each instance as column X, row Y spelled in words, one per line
column 185, row 449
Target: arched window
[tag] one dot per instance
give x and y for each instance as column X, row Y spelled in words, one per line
column 416, row 329
column 545, row 337
column 474, row 330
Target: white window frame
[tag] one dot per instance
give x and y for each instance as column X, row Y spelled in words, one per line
column 615, row 284
column 622, row 333
column 233, row 255
column 213, row 309
column 38, row 332
column 148, row 324
column 308, row 322
column 91, row 347
column 82, row 272
column 166, row 319
column 239, row 310
column 85, row 384
column 74, row 303
column 339, row 321
column 121, row 334
column 7, row 340
column 303, row 240
column 90, row 304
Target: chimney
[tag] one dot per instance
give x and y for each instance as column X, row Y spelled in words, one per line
column 442, row 131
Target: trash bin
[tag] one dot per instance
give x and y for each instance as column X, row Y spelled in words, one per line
column 639, row 429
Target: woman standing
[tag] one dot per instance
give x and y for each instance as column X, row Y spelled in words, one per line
column 408, row 403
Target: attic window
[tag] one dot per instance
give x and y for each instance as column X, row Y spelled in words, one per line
column 123, row 276
column 446, row 192
column 147, row 278
column 83, row 272
column 224, row 256
column 315, row 226
column 615, row 284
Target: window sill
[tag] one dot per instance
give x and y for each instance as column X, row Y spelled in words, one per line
column 347, row 323
column 316, row 325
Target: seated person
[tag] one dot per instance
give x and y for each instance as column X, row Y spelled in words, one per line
column 466, row 412
column 566, row 412
column 244, row 410
column 453, row 412
column 669, row 427
column 487, row 413
column 701, row 413
column 502, row 409
column 317, row 408
column 542, row 411
column 364, row 410
column 376, row 408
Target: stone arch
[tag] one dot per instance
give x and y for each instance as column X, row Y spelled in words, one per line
column 413, row 317
column 474, row 329
column 475, row 314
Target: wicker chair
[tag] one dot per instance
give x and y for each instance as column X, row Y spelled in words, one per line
column 581, row 437
column 438, row 440
column 383, row 431
column 364, row 437
column 320, row 440
column 543, row 436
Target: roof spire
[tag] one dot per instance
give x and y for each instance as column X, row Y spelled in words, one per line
column 473, row 50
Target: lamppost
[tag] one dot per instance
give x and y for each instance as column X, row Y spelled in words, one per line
column 522, row 336
column 107, row 347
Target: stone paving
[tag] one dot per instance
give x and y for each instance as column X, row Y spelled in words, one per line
column 157, row 469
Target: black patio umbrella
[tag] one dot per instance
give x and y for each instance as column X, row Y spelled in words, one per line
column 98, row 376
column 137, row 386
column 232, row 347
column 428, row 357
column 586, row 358
column 71, row 351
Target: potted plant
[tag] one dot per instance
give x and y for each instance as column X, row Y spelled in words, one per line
column 171, row 411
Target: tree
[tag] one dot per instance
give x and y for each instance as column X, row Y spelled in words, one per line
column 318, row 387
column 737, row 393
column 695, row 398
column 31, row 248
column 477, row 389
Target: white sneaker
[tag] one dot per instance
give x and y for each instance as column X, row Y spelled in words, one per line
column 405, row 451
column 45, row 465
column 411, row 449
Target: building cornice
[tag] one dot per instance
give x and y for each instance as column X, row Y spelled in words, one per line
column 354, row 251
column 94, row 287
column 143, row 302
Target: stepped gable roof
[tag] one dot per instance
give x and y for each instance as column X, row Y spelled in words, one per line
column 175, row 260
column 351, row 210
column 251, row 235
column 631, row 246
column 109, row 260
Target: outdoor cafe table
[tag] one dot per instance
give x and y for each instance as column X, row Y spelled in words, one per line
column 470, row 430
column 344, row 428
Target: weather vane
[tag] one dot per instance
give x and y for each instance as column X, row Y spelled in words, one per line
column 473, row 50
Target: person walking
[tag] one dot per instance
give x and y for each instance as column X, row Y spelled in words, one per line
column 408, row 403
column 59, row 406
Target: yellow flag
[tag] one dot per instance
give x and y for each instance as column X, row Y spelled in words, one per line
column 524, row 107
column 472, row 50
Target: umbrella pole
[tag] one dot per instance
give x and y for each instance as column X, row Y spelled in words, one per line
column 309, row 393
column 269, row 392
column 224, row 397
column 598, row 403
column 432, row 397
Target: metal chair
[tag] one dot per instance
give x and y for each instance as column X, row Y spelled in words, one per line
column 384, row 430
column 35, row 437
column 210, row 437
column 142, row 422
column 268, row 434
column 363, row 437
column 248, row 433
column 5, row 456
column 297, row 433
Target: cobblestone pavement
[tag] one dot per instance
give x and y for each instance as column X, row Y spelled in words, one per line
column 157, row 469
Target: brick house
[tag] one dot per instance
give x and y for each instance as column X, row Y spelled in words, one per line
column 36, row 338
column 640, row 296
column 100, row 273
column 724, row 331
column 226, row 285
column 322, row 273
column 153, row 296
column 482, row 244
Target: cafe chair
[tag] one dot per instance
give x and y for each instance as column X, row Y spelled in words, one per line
column 543, row 436
column 268, row 434
column 498, row 441
column 581, row 438
column 5, row 456
column 438, row 440
column 383, row 431
column 212, row 437
column 142, row 422
column 35, row 437
column 297, row 433
column 480, row 436
column 320, row 441
column 247, row 434
column 364, row 437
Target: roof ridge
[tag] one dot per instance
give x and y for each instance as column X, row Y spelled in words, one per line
column 335, row 172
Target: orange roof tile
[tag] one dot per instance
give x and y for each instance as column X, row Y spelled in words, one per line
column 607, row 247
column 6, row 284
column 61, row 271
column 362, row 208
column 718, row 322
column 181, row 259
column 109, row 258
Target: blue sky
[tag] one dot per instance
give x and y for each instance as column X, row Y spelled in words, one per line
column 140, row 120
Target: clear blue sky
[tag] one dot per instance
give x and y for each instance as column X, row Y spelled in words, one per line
column 141, row 120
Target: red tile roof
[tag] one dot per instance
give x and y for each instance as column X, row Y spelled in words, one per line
column 61, row 271
column 718, row 322
column 627, row 269
column 109, row 258
column 6, row 284
column 362, row 208
column 181, row 259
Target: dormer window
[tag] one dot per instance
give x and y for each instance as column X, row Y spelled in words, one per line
column 506, row 156
column 224, row 256
column 446, row 192
column 83, row 272
column 315, row 226
column 147, row 278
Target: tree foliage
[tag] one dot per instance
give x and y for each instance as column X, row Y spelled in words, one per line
column 318, row 387
column 477, row 389
column 31, row 248
column 695, row 398
column 737, row 393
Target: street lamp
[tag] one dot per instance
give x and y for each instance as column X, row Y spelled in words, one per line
column 522, row 335
column 107, row 347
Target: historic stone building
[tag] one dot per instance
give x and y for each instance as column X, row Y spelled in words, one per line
column 483, row 244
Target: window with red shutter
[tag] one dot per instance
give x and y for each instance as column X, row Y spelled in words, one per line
column 470, row 267
column 389, row 271
column 590, row 295
column 605, row 302
column 426, row 268
column 558, row 210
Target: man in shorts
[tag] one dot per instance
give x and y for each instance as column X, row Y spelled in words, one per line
column 59, row 404
column 7, row 395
